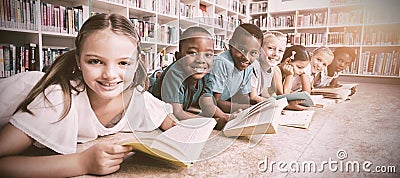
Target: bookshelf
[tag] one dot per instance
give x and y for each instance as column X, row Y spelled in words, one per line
column 372, row 31
column 39, row 23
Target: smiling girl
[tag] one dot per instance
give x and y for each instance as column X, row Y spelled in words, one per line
column 95, row 90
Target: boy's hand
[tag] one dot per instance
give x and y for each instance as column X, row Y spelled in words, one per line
column 353, row 90
column 296, row 105
column 103, row 158
column 168, row 122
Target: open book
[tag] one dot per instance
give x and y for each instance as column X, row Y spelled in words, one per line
column 298, row 96
column 180, row 145
column 262, row 118
column 299, row 119
column 340, row 94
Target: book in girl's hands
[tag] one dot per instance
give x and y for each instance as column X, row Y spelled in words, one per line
column 180, row 145
column 299, row 119
column 298, row 96
column 262, row 118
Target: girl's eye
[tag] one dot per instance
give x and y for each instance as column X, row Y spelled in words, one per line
column 269, row 47
column 124, row 63
column 94, row 61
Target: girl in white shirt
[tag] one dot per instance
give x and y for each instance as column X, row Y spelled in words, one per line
column 295, row 60
column 343, row 57
column 97, row 89
column 320, row 58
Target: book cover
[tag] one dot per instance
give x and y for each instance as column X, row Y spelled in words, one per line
column 298, row 96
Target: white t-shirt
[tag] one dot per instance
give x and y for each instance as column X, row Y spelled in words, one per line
column 144, row 113
column 261, row 79
column 325, row 80
column 296, row 85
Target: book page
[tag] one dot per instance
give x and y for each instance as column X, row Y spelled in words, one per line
column 251, row 111
column 348, row 85
column 186, row 140
column 300, row 119
column 262, row 122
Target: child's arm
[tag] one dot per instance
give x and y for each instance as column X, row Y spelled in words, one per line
column 334, row 83
column 296, row 105
column 277, row 78
column 209, row 109
column 254, row 98
column 168, row 122
column 305, row 83
column 99, row 159
column 227, row 106
column 287, row 72
column 180, row 113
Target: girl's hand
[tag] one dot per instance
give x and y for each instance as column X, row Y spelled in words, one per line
column 103, row 158
column 288, row 70
column 168, row 122
column 296, row 105
column 353, row 90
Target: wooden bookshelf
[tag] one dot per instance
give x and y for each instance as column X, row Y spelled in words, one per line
column 372, row 31
column 159, row 21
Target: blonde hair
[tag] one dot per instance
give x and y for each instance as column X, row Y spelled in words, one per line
column 322, row 49
column 274, row 34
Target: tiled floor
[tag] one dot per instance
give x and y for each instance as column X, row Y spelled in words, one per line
column 365, row 129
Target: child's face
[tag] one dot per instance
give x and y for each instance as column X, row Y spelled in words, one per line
column 197, row 55
column 298, row 66
column 108, row 63
column 319, row 62
column 245, row 52
column 272, row 51
column 341, row 61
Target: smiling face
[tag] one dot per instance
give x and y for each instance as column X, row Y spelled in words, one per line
column 341, row 61
column 298, row 66
column 272, row 51
column 108, row 63
column 320, row 61
column 197, row 55
column 245, row 52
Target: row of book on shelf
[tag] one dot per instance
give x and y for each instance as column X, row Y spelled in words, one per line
column 62, row 19
column 380, row 63
column 182, row 144
column 258, row 7
column 142, row 4
column 16, row 59
column 313, row 39
column 233, row 5
column 21, row 14
column 148, row 27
